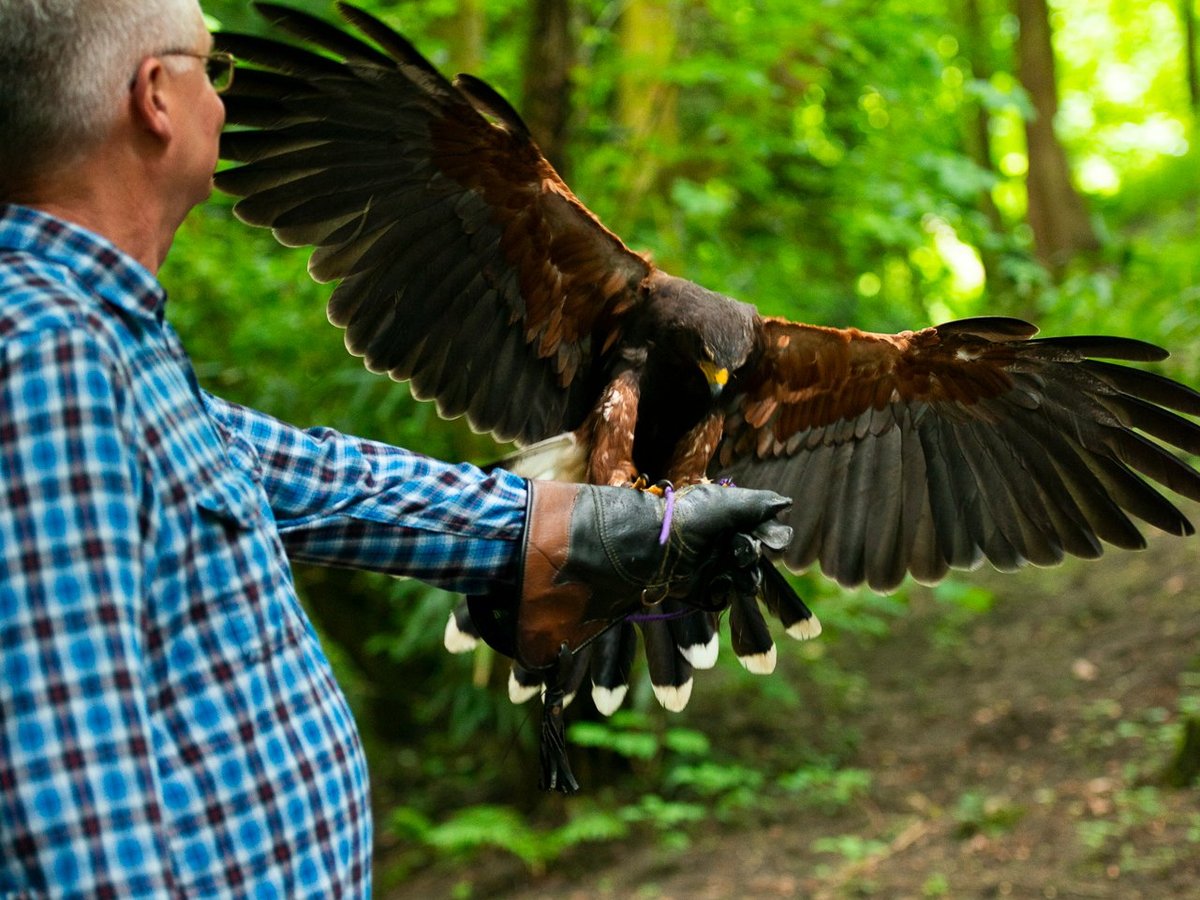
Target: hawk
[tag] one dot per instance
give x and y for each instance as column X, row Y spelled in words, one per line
column 467, row 267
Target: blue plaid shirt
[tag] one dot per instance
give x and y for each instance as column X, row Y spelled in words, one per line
column 169, row 725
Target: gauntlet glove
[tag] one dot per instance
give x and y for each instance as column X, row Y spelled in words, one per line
column 595, row 555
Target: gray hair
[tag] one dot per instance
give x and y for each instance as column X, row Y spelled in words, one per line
column 65, row 66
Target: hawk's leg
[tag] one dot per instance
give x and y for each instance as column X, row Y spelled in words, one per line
column 694, row 450
column 611, row 427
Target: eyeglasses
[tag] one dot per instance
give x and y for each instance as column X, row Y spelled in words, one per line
column 218, row 66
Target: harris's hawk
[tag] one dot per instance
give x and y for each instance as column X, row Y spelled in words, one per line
column 468, row 268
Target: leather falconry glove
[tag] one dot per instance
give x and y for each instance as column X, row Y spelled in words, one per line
column 595, row 555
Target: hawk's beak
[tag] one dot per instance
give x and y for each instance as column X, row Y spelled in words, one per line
column 716, row 377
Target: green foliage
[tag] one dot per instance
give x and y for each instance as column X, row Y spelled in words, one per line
column 860, row 611
column 694, row 785
column 627, row 734
column 968, row 597
column 712, row 779
column 936, row 885
column 961, row 602
column 1133, row 809
column 977, row 813
column 463, row 835
column 850, row 847
column 686, row 768
column 1189, row 694
column 1161, row 735
column 826, row 787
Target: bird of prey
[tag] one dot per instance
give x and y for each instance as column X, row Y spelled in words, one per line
column 467, row 267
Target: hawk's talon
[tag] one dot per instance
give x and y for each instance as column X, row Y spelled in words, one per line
column 660, row 488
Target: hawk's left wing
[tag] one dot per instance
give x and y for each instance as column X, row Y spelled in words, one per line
column 937, row 449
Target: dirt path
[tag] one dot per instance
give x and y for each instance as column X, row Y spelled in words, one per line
column 1015, row 756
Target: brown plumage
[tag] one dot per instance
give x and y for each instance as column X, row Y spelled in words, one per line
column 467, row 267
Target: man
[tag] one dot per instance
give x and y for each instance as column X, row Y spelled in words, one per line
column 168, row 723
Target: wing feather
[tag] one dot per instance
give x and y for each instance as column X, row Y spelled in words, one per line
column 954, row 500
column 1069, row 522
column 923, row 451
column 918, row 539
column 317, row 31
column 809, row 477
column 421, row 205
column 927, row 562
column 843, row 547
column 1145, row 386
column 885, row 507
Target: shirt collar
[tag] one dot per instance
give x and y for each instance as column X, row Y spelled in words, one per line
column 99, row 265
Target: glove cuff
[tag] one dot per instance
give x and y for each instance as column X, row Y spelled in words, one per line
column 551, row 612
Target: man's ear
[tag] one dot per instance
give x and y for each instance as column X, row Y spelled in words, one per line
column 148, row 98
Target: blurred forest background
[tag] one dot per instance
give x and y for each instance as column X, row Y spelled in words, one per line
column 882, row 163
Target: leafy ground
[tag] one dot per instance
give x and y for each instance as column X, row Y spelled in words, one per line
column 1012, row 753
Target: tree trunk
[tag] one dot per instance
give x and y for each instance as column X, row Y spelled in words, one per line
column 549, row 57
column 978, row 136
column 465, row 32
column 646, row 103
column 976, row 47
column 1057, row 213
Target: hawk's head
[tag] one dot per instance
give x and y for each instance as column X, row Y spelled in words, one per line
column 707, row 329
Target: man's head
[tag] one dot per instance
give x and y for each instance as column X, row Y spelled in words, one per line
column 74, row 73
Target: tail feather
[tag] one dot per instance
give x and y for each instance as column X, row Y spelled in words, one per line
column 785, row 604
column 670, row 672
column 523, row 685
column 460, row 635
column 696, row 636
column 750, row 636
column 612, row 661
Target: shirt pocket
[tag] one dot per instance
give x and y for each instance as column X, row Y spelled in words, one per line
column 242, row 593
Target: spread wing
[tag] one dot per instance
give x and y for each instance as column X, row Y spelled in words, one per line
column 466, row 264
column 922, row 451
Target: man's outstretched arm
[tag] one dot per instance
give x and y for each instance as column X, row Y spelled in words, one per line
column 346, row 501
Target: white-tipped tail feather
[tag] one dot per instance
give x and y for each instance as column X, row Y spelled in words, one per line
column 760, row 663
column 702, row 656
column 609, row 700
column 805, row 629
column 674, row 697
column 519, row 693
column 456, row 640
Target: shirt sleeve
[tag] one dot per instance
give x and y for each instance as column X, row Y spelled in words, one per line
column 80, row 813
column 342, row 500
